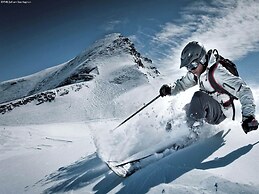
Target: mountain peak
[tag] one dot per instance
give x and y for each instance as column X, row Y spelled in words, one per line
column 111, row 53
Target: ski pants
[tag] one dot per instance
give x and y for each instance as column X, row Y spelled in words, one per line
column 204, row 107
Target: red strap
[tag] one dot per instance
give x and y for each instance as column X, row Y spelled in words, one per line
column 218, row 88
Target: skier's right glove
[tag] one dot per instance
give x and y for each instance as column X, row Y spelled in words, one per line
column 165, row 90
column 249, row 124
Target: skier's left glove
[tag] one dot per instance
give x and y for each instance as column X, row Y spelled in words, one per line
column 249, row 124
column 165, row 90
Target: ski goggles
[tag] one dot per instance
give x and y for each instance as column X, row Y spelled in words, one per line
column 193, row 65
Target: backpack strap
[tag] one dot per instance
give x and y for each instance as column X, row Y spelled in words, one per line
column 218, row 88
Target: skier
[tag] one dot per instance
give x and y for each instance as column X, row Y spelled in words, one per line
column 218, row 88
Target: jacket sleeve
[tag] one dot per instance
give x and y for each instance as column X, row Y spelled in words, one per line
column 184, row 83
column 238, row 88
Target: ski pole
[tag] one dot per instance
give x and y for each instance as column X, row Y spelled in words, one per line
column 137, row 111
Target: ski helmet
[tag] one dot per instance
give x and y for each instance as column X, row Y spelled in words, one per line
column 192, row 54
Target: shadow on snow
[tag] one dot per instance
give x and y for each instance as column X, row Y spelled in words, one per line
column 92, row 170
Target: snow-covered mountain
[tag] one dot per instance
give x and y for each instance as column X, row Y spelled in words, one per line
column 113, row 53
column 111, row 67
column 56, row 129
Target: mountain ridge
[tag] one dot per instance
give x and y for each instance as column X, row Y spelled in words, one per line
column 94, row 84
column 83, row 68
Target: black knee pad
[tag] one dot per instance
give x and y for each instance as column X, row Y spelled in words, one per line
column 198, row 94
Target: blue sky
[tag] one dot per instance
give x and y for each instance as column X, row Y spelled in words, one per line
column 42, row 34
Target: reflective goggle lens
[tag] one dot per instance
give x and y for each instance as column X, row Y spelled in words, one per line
column 192, row 66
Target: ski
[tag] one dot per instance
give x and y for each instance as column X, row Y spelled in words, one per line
column 128, row 168
column 140, row 160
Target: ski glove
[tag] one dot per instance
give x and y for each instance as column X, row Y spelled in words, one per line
column 165, row 90
column 249, row 124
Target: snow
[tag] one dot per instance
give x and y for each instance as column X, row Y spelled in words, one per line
column 60, row 146
column 29, row 152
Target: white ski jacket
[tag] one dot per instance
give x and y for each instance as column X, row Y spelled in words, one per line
column 233, row 84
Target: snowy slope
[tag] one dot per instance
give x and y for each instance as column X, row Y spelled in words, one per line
column 60, row 145
column 115, row 67
column 98, row 59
